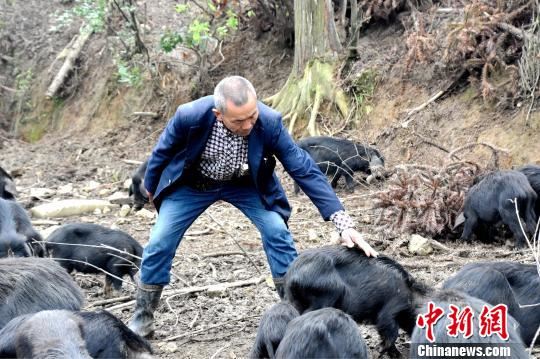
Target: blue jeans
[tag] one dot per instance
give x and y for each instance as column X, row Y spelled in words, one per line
column 183, row 206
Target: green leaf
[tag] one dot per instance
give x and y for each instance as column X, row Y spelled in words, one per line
column 232, row 22
column 198, row 31
column 181, row 8
column 222, row 31
column 169, row 40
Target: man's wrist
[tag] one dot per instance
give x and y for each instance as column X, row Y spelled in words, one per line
column 342, row 221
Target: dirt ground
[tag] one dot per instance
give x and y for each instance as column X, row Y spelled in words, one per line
column 218, row 324
column 96, row 163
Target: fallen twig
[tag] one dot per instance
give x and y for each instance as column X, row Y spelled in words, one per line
column 533, row 97
column 429, row 142
column 167, row 300
column 146, row 114
column 220, row 350
column 109, row 301
column 189, row 290
column 220, row 338
column 222, row 254
column 93, row 266
column 101, row 246
column 73, row 54
column 9, row 89
column 44, row 222
column 132, row 162
column 494, row 151
column 419, row 108
column 221, row 286
column 194, row 320
column 208, row 328
column 236, row 242
column 440, row 246
column 198, row 233
column 121, row 306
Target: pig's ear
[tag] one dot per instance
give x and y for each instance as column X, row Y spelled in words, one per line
column 459, row 220
column 9, row 187
column 25, row 349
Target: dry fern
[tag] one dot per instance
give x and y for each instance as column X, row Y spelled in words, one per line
column 425, row 201
column 380, row 9
column 483, row 37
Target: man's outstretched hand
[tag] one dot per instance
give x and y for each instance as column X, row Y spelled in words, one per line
column 351, row 237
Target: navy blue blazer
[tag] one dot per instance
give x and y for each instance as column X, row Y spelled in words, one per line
column 183, row 141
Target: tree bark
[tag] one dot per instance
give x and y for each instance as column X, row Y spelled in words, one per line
column 354, row 29
column 311, row 86
column 315, row 33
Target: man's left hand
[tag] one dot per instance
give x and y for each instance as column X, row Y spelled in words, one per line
column 350, row 237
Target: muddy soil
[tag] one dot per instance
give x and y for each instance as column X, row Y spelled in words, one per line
column 220, row 324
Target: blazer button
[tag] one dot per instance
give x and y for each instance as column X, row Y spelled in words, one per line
column 170, row 181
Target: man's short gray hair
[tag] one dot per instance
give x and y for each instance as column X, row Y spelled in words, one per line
column 233, row 88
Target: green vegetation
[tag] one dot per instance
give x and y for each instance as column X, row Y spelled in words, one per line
column 362, row 88
column 129, row 75
column 24, row 80
column 94, row 14
column 211, row 24
column 169, row 40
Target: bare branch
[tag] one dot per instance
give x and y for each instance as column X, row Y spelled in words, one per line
column 236, row 242
column 93, row 266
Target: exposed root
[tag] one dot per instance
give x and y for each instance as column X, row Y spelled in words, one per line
column 312, row 128
column 303, row 100
column 292, row 122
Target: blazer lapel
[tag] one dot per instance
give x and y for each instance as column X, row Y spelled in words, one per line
column 197, row 138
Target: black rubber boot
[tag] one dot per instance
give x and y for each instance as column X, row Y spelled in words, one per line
column 148, row 297
column 278, row 283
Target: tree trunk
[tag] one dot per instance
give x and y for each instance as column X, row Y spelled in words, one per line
column 311, row 86
column 315, row 33
column 73, row 52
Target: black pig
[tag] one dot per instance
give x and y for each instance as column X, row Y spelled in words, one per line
column 271, row 329
column 140, row 195
column 338, row 157
column 490, row 200
column 443, row 299
column 29, row 285
column 97, row 334
column 323, row 333
column 376, row 290
column 42, row 335
column 7, row 186
column 532, row 172
column 17, row 235
column 509, row 283
column 74, row 245
column 108, row 337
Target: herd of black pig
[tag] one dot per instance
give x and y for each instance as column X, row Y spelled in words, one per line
column 40, row 303
column 327, row 290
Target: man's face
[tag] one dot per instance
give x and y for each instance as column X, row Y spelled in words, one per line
column 239, row 119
